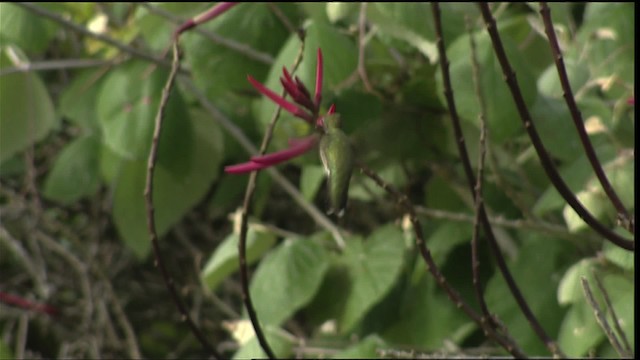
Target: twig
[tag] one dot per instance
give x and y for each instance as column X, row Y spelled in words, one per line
column 600, row 317
column 14, row 245
column 545, row 159
column 464, row 156
column 478, row 199
column 21, row 336
column 55, row 65
column 248, row 196
column 150, row 210
column 624, row 218
column 503, row 339
column 543, row 227
column 239, row 47
column 628, row 351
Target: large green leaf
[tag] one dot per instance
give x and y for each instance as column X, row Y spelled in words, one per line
column 127, row 105
column 427, row 317
column 78, row 100
column 502, row 117
column 76, row 172
column 535, row 269
column 27, row 114
column 24, row 28
column 175, row 191
column 373, row 267
column 224, row 260
column 222, row 70
column 287, row 279
column 608, row 43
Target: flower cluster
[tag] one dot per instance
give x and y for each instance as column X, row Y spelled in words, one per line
column 307, row 109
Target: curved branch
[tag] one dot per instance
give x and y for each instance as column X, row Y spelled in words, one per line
column 148, row 197
column 545, row 159
column 624, row 218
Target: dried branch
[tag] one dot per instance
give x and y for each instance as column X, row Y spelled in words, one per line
column 545, row 159
column 600, row 316
column 150, row 209
column 464, row 156
column 628, row 352
column 624, row 218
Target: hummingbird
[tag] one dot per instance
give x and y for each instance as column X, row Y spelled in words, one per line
column 337, row 157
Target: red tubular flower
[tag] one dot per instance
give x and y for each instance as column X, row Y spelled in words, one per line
column 308, row 110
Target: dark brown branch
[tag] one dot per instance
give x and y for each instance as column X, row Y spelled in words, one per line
column 464, row 156
column 503, row 339
column 545, row 159
column 148, row 196
column 246, row 208
column 624, row 218
column 478, row 199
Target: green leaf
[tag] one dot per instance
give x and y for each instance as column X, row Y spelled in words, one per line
column 619, row 256
column 579, row 331
column 536, row 268
column 224, row 71
column 127, row 105
column 607, row 36
column 373, row 267
column 570, row 288
column 445, row 238
column 76, row 171
column 224, row 261
column 78, row 100
column 24, row 28
column 175, row 192
column 405, row 21
column 287, row 279
column 549, row 82
column 553, row 122
column 596, row 202
column 502, row 116
column 575, row 174
column 27, row 111
column 428, row 317
column 365, row 349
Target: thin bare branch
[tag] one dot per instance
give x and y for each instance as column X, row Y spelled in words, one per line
column 628, row 351
column 150, row 209
column 600, row 316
